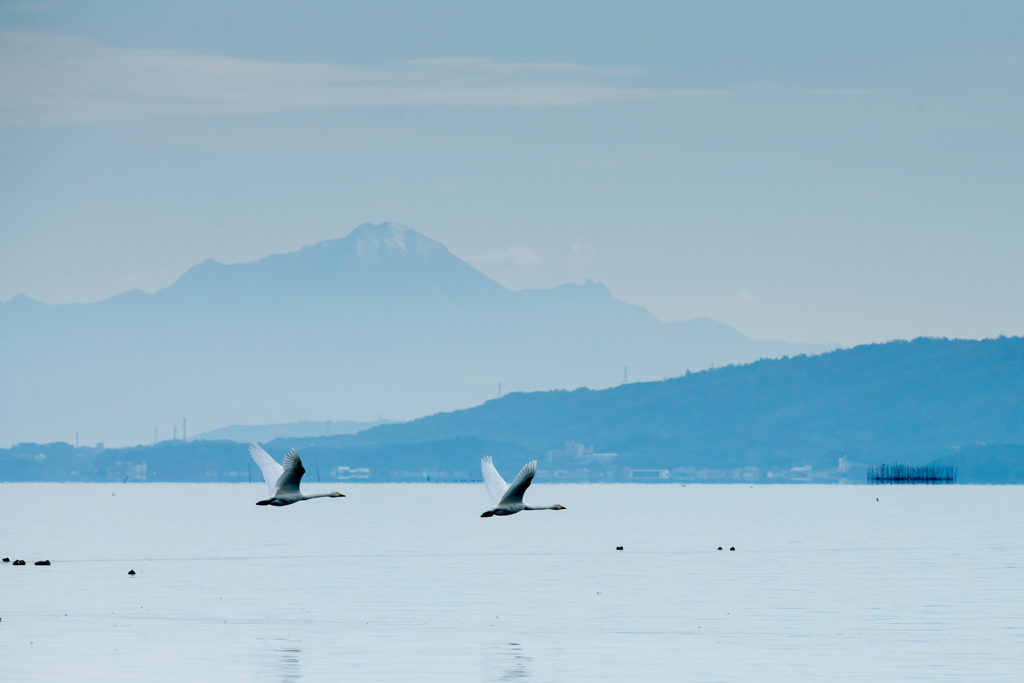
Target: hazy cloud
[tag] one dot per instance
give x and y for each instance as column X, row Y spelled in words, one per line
column 582, row 249
column 579, row 255
column 46, row 79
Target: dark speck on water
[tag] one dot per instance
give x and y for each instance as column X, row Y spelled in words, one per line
column 732, row 548
column 618, row 547
column 131, row 572
column 43, row 563
column 7, row 559
column 719, row 547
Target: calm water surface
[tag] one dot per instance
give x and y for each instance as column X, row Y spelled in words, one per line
column 407, row 582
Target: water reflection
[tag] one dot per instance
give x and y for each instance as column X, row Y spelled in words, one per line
column 506, row 662
column 285, row 665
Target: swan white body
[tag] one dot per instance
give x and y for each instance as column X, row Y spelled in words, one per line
column 283, row 482
column 508, row 500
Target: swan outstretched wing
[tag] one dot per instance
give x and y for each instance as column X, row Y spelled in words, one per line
column 520, row 484
column 271, row 470
column 293, row 471
column 495, row 485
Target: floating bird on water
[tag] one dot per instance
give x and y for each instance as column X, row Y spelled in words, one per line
column 283, row 482
column 508, row 500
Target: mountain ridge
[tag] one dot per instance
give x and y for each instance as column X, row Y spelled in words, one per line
column 382, row 321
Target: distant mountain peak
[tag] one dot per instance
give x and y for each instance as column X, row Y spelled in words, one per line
column 382, row 318
column 389, row 240
column 388, row 257
column 391, row 234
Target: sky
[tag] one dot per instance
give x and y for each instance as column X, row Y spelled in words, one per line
column 803, row 171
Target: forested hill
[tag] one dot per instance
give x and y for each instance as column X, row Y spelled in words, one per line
column 899, row 399
column 957, row 401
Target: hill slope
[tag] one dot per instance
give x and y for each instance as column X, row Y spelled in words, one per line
column 249, row 433
column 881, row 400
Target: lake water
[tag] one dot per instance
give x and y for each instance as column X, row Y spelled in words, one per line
column 407, row 582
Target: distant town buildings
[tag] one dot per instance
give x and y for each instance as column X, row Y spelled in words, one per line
column 577, row 453
column 351, row 473
column 649, row 474
column 126, row 471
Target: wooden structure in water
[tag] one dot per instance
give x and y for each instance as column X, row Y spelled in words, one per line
column 910, row 474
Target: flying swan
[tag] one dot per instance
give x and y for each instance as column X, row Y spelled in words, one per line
column 508, row 500
column 283, row 482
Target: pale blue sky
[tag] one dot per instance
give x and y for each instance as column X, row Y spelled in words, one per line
column 804, row 171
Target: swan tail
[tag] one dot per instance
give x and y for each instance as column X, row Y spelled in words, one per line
column 265, row 502
column 489, row 513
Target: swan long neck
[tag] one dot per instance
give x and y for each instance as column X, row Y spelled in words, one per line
column 319, row 495
column 546, row 507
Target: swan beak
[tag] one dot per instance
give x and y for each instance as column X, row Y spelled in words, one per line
column 561, row 507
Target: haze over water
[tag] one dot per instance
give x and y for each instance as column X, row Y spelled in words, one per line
column 406, row 582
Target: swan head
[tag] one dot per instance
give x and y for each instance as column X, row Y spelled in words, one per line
column 559, row 507
column 336, row 495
